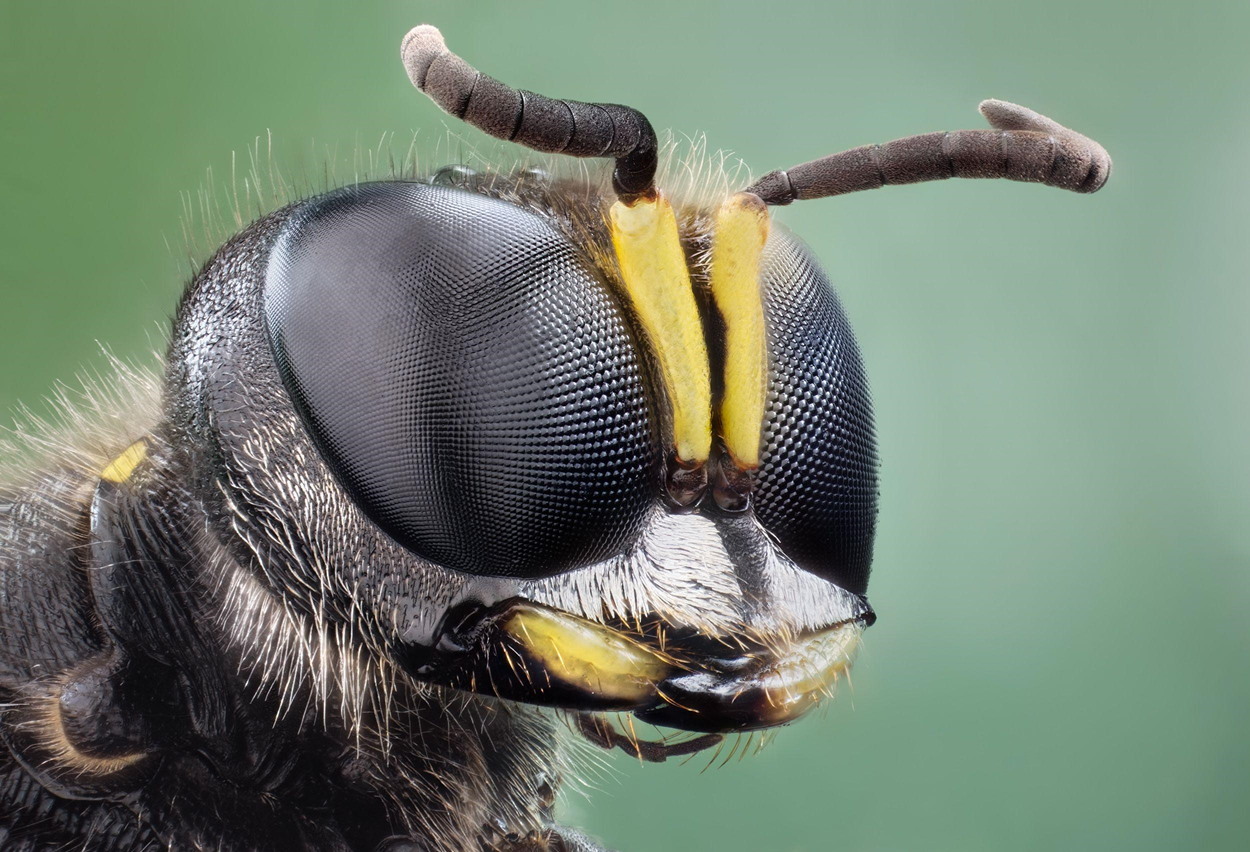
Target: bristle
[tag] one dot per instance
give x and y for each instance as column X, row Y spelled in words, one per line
column 691, row 175
column 85, row 425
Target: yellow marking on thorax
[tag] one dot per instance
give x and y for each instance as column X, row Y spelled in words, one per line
column 738, row 242
column 123, row 467
column 653, row 267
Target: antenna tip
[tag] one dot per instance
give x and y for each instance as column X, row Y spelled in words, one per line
column 419, row 49
column 999, row 113
column 1004, row 115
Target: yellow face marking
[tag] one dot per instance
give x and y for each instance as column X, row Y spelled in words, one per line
column 741, row 231
column 586, row 655
column 123, row 467
column 653, row 268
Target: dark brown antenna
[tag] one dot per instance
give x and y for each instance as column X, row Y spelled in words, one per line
column 1024, row 146
column 544, row 124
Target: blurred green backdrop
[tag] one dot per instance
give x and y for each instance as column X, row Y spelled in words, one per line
column 1061, row 572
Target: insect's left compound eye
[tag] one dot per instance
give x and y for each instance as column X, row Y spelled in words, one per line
column 467, row 375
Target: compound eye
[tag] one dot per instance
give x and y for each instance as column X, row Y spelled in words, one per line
column 466, row 374
column 817, row 484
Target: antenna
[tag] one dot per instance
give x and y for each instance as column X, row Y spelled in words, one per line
column 535, row 121
column 1024, row 146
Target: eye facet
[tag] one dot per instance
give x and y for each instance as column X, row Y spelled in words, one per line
column 817, row 484
column 466, row 374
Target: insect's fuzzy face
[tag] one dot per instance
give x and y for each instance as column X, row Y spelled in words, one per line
column 434, row 451
column 434, row 424
column 521, row 437
column 524, row 438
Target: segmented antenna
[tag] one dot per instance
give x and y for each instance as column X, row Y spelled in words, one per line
column 1024, row 146
column 544, row 124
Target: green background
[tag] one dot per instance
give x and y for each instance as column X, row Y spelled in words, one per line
column 1061, row 569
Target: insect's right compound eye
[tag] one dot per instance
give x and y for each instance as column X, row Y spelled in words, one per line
column 466, row 374
column 817, row 483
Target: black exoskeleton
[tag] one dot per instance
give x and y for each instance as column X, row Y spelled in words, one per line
column 440, row 471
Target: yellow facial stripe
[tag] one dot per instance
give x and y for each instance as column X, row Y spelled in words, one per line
column 121, row 468
column 586, row 655
column 653, row 268
column 741, row 231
